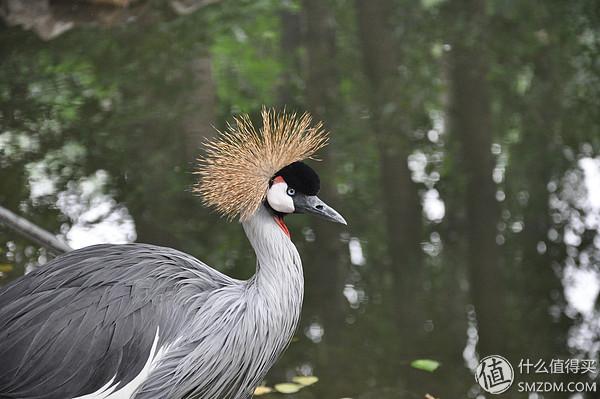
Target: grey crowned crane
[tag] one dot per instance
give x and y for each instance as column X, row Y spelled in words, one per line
column 142, row 321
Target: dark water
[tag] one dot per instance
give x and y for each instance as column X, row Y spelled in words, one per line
column 464, row 154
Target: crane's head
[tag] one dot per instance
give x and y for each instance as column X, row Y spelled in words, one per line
column 294, row 189
column 245, row 168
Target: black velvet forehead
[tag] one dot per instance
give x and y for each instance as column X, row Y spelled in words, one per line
column 301, row 178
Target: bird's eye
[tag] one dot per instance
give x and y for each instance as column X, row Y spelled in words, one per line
column 291, row 192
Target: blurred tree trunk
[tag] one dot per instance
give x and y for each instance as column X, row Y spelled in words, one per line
column 174, row 155
column 539, row 286
column 325, row 277
column 390, row 124
column 471, row 126
column 201, row 114
column 291, row 42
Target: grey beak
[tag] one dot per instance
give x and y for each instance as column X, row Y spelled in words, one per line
column 311, row 204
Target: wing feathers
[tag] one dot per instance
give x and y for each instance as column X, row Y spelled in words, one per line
column 92, row 315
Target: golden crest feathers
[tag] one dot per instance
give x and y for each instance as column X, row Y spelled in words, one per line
column 238, row 164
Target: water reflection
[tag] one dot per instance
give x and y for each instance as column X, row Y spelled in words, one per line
column 464, row 154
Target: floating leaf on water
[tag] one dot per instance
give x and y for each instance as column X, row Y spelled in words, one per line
column 262, row 390
column 428, row 396
column 287, row 387
column 305, row 380
column 425, row 364
column 6, row 267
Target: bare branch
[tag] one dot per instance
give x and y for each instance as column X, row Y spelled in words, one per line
column 31, row 231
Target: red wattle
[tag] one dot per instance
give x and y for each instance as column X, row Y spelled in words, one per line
column 282, row 226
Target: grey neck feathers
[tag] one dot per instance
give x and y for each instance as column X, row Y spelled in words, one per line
column 278, row 265
column 277, row 288
column 278, row 285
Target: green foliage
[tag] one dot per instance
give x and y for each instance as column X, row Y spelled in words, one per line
column 246, row 64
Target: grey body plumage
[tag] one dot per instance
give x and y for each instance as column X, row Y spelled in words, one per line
column 103, row 305
column 147, row 322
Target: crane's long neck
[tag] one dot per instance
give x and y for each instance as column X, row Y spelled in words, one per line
column 279, row 281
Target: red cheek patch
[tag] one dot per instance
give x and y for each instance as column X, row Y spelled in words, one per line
column 278, row 179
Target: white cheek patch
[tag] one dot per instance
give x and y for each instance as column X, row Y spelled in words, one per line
column 278, row 198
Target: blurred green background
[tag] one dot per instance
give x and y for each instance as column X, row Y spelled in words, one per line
column 465, row 155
